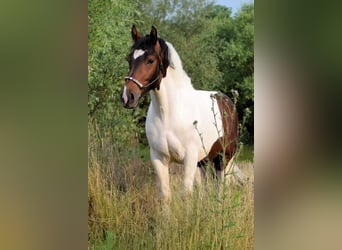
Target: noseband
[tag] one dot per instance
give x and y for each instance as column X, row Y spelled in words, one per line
column 142, row 86
column 139, row 84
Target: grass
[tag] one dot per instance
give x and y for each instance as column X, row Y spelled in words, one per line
column 246, row 154
column 125, row 212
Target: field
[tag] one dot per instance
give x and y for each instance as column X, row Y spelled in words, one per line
column 125, row 211
column 124, row 208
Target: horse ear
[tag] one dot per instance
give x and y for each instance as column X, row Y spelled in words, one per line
column 135, row 34
column 153, row 35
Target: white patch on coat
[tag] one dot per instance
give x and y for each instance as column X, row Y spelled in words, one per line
column 137, row 53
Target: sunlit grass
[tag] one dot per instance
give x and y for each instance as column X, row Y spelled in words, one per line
column 125, row 212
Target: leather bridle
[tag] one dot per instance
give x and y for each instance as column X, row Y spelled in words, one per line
column 142, row 86
column 139, row 84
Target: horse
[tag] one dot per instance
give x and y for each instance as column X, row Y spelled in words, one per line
column 183, row 125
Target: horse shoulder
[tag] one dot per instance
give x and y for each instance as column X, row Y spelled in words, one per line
column 154, row 130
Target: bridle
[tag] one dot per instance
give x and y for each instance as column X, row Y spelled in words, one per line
column 142, row 86
column 139, row 84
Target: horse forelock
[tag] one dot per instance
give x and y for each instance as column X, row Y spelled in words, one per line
column 143, row 43
column 167, row 48
column 168, row 56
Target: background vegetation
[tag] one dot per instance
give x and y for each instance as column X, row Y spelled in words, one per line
column 217, row 53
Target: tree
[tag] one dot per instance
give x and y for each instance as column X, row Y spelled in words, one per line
column 216, row 50
column 237, row 63
column 109, row 25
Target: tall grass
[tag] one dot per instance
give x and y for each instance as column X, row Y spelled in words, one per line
column 125, row 211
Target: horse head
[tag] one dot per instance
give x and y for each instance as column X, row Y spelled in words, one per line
column 148, row 62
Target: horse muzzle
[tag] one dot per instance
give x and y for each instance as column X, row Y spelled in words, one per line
column 129, row 98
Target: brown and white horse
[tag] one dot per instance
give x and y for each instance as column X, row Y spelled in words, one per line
column 183, row 125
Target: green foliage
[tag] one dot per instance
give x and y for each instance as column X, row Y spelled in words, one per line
column 216, row 49
column 108, row 43
column 237, row 65
column 109, row 23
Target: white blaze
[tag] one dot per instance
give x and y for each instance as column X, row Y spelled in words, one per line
column 138, row 52
column 124, row 96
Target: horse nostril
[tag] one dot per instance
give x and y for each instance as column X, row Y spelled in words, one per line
column 131, row 97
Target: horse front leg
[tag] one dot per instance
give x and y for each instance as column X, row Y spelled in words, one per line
column 162, row 171
column 190, row 169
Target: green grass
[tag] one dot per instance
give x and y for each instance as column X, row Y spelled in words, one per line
column 126, row 213
column 246, row 154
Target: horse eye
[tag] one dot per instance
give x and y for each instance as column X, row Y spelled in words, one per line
column 150, row 61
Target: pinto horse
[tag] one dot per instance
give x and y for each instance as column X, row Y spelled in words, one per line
column 183, row 125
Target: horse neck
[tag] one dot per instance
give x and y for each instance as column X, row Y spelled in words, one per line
column 163, row 100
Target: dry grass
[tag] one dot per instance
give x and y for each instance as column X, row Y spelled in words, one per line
column 125, row 213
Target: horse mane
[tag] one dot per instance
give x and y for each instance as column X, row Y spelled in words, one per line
column 174, row 59
column 176, row 64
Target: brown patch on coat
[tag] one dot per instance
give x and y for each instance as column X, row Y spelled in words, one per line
column 227, row 143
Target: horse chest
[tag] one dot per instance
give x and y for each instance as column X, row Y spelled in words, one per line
column 175, row 147
column 168, row 142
